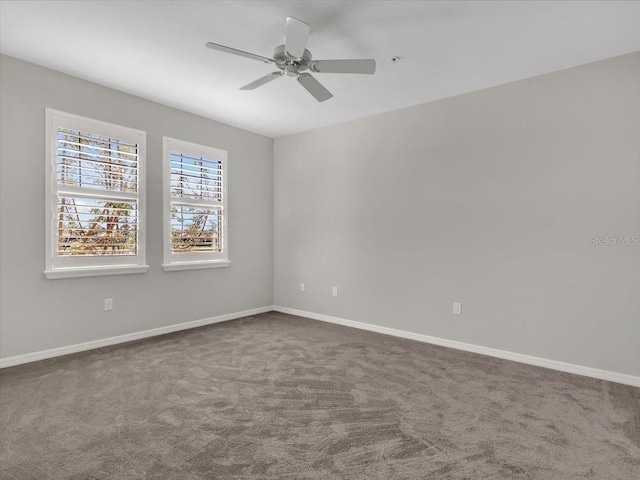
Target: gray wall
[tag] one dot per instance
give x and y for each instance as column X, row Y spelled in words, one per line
column 488, row 199
column 38, row 314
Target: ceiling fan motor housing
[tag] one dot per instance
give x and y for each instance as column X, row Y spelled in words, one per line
column 290, row 65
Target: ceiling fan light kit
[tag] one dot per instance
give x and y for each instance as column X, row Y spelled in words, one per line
column 293, row 59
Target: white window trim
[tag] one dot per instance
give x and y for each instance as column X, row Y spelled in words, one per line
column 192, row 261
column 90, row 266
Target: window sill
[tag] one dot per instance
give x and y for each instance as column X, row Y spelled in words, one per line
column 80, row 272
column 172, row 267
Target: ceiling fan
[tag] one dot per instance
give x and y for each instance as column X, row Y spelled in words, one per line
column 293, row 59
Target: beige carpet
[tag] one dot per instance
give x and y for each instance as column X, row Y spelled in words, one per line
column 281, row 397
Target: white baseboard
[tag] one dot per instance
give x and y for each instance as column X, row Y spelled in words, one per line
column 105, row 342
column 492, row 352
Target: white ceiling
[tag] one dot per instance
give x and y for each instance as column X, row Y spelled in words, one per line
column 155, row 50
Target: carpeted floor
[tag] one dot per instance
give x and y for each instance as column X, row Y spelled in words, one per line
column 281, row 397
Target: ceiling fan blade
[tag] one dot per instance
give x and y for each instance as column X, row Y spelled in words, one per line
column 295, row 38
column 234, row 51
column 343, row 66
column 262, row 80
column 314, row 87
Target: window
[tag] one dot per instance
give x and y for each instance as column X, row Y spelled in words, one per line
column 195, row 206
column 94, row 197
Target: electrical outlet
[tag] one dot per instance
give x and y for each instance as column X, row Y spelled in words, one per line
column 108, row 304
column 302, row 287
column 335, row 291
column 457, row 308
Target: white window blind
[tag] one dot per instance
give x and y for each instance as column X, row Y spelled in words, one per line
column 95, row 197
column 196, row 204
column 196, row 200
